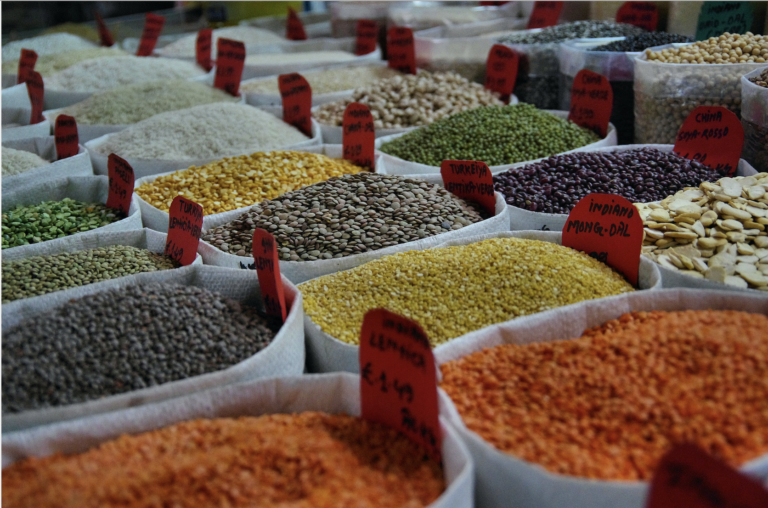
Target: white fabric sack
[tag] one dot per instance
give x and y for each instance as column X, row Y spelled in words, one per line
column 504, row 480
column 45, row 148
column 396, row 166
column 9, row 80
column 284, row 356
column 16, row 114
column 316, row 24
column 329, row 354
column 754, row 119
column 427, row 16
column 302, row 271
column 329, row 393
column 90, row 189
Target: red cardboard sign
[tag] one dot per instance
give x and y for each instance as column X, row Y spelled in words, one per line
column 230, row 59
column 359, row 135
column 184, row 225
column 591, row 102
column 400, row 49
column 297, row 101
column 27, row 63
column 65, row 134
column 689, row 477
column 104, row 35
column 608, row 228
column 712, row 135
column 268, row 271
column 294, row 28
column 120, row 184
column 366, row 34
column 152, row 28
column 398, row 378
column 642, row 14
column 36, row 91
column 501, row 71
column 470, row 180
column 203, row 48
column 544, row 14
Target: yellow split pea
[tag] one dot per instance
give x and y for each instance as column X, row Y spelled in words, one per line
column 236, row 182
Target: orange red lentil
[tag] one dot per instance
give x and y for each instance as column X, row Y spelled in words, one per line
column 608, row 405
column 292, row 461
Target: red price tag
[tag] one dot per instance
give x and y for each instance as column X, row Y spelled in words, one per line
column 398, row 383
column 297, row 101
column 609, row 229
column 359, row 135
column 642, row 14
column 712, row 135
column 104, row 34
column 544, row 14
column 65, row 134
column 400, row 49
column 120, row 184
column 26, row 65
column 470, row 180
column 366, row 33
column 501, row 71
column 689, row 477
column 591, row 102
column 184, row 225
column 203, row 49
column 152, row 28
column 294, row 27
column 268, row 271
column 230, row 59
column 36, row 91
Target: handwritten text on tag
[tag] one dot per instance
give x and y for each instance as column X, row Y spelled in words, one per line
column 268, row 270
column 366, row 34
column 184, row 226
column 203, row 49
column 36, row 91
column 294, row 27
column 591, row 102
column 544, row 14
column 230, row 60
column 66, row 138
column 153, row 25
column 400, row 50
column 121, row 181
column 26, row 65
column 297, row 101
column 642, row 14
column 359, row 135
column 501, row 71
column 712, row 135
column 470, row 180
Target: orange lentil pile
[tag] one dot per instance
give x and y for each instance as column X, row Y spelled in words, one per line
column 305, row 460
column 609, row 404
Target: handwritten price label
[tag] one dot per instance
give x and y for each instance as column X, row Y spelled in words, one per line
column 230, row 59
column 470, row 180
column 297, row 101
column 153, row 25
column 366, row 33
column 398, row 383
column 26, row 65
column 120, row 184
column 36, row 91
column 203, row 48
column 294, row 28
column 400, row 50
column 65, row 135
column 716, row 18
column 359, row 135
column 687, row 476
column 712, row 135
column 609, row 229
column 268, row 270
column 591, row 102
column 642, row 14
column 104, row 34
column 184, row 225
column 501, row 71
column 544, row 14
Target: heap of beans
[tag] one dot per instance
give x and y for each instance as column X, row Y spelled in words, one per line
column 306, row 459
column 761, row 79
column 610, row 404
column 639, row 42
column 25, row 225
column 80, row 352
column 756, row 124
column 641, row 175
column 327, row 81
column 495, row 135
column 455, row 290
column 574, row 30
column 40, row 275
column 347, row 215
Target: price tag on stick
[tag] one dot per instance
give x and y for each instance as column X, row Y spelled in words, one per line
column 398, row 383
column 65, row 134
column 203, row 48
column 716, row 18
column 36, row 91
column 366, row 34
column 153, row 25
column 294, row 28
column 268, row 271
column 689, row 477
column 501, row 71
column 230, row 59
column 591, row 102
column 26, row 64
column 544, row 14
column 121, row 181
column 642, row 14
column 470, row 180
column 359, row 135
column 104, row 35
column 608, row 228
column 184, row 225
column 712, row 135
column 400, row 49
column 297, row 101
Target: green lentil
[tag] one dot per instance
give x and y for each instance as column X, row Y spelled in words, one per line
column 26, row 225
column 455, row 290
column 40, row 275
column 495, row 135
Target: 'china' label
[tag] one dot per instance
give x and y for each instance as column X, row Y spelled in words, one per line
column 153, row 25
column 297, row 101
column 104, row 34
column 366, row 34
column 294, row 28
column 642, row 14
column 26, row 65
column 36, row 91
column 544, row 14
column 65, row 134
column 470, row 180
column 359, row 135
column 184, row 226
column 591, row 102
column 501, row 71
column 230, row 60
column 712, row 135
column 268, row 270
column 121, row 181
column 400, row 49
column 203, row 49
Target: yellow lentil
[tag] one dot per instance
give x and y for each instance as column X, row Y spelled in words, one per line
column 236, row 182
column 455, row 290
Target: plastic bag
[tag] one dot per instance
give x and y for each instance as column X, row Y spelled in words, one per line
column 754, row 119
column 45, row 148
